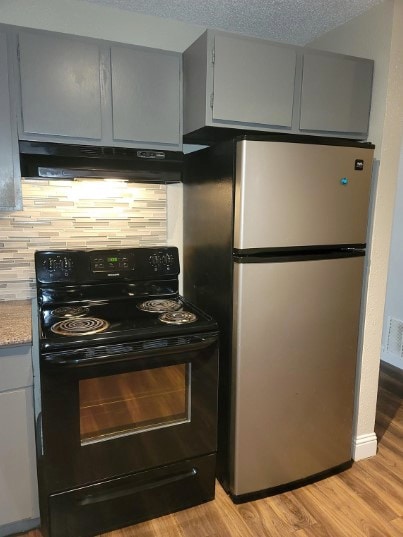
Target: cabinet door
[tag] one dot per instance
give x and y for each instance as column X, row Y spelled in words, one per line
column 60, row 86
column 146, row 96
column 10, row 178
column 18, row 485
column 253, row 82
column 336, row 93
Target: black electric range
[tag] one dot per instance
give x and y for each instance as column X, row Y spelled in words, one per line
column 127, row 385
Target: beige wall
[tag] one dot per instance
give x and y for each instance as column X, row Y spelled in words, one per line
column 377, row 34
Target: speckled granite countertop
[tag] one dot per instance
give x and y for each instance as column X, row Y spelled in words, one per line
column 15, row 325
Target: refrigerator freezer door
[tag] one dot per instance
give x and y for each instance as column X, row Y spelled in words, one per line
column 292, row 194
column 295, row 349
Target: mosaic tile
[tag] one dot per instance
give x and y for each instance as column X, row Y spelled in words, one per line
column 65, row 214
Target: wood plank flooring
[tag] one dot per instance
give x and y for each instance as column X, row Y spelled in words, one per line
column 364, row 501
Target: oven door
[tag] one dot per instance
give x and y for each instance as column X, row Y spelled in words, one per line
column 113, row 410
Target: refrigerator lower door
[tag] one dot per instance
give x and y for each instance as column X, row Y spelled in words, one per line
column 295, row 350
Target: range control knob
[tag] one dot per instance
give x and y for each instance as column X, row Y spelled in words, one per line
column 67, row 264
column 154, row 261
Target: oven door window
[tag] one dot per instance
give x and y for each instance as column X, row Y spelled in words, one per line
column 133, row 402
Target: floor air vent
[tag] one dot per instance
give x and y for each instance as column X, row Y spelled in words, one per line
column 395, row 338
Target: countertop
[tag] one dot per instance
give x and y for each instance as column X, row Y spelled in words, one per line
column 16, row 324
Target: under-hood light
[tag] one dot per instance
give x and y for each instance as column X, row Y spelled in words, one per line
column 104, row 179
column 127, row 176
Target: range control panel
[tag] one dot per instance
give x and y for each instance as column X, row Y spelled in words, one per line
column 80, row 266
column 113, row 262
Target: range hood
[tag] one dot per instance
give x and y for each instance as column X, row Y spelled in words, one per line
column 66, row 161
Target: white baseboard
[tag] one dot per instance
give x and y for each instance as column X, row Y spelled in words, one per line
column 364, row 446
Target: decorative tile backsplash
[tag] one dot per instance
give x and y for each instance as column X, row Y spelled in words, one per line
column 70, row 214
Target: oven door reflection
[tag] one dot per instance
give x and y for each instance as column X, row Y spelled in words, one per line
column 120, row 405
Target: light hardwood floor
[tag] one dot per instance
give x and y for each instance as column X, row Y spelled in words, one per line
column 364, row 501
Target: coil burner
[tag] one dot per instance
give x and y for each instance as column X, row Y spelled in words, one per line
column 178, row 317
column 67, row 312
column 161, row 305
column 83, row 326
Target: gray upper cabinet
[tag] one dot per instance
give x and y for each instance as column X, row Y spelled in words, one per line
column 239, row 82
column 336, row 93
column 10, row 177
column 246, row 83
column 60, row 87
column 146, row 96
column 87, row 91
column 253, row 81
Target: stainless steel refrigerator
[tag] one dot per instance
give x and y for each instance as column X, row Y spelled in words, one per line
column 274, row 248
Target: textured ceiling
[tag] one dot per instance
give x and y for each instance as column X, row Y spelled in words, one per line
column 290, row 21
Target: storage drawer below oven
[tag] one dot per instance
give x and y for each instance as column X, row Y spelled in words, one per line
column 123, row 501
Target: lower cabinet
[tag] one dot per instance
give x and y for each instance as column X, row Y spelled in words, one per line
column 18, row 482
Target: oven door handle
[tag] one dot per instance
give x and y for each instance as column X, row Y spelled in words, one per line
column 127, row 352
column 89, row 499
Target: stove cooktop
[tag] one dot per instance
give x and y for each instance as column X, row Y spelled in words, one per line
column 119, row 320
column 97, row 297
